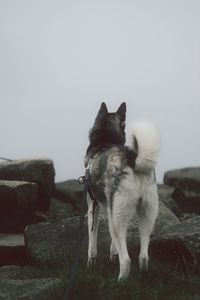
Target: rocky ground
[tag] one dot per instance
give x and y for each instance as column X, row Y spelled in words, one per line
column 39, row 224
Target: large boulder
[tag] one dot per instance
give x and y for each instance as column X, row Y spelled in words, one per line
column 53, row 242
column 40, row 171
column 165, row 195
column 12, row 249
column 165, row 218
column 56, row 241
column 17, row 203
column 30, row 289
column 70, row 191
column 187, row 202
column 179, row 243
column 59, row 210
column 186, row 179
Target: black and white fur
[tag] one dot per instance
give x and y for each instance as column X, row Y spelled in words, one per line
column 122, row 181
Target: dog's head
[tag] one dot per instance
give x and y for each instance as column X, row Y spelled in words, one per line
column 108, row 128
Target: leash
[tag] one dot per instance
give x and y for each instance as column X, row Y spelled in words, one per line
column 82, row 180
column 6, row 159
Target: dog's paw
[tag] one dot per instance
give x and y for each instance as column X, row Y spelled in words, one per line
column 124, row 269
column 91, row 261
column 143, row 264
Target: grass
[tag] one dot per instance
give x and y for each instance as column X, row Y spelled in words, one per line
column 163, row 282
column 160, row 282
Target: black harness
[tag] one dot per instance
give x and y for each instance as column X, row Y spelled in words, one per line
column 86, row 180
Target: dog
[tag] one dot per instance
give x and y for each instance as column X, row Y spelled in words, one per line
column 122, row 182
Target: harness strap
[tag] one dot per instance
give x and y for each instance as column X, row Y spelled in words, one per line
column 86, row 180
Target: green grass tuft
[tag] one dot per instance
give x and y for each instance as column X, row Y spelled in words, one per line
column 160, row 282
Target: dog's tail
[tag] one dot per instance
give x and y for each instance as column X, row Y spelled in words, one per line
column 146, row 143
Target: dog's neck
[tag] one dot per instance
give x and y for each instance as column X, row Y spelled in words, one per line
column 95, row 148
column 99, row 138
column 100, row 141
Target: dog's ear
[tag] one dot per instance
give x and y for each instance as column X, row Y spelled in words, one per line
column 103, row 110
column 122, row 112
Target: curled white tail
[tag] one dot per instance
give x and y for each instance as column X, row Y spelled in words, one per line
column 146, row 142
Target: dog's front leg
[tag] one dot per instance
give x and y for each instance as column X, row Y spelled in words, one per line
column 93, row 223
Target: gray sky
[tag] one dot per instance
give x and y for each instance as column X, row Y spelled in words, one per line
column 60, row 59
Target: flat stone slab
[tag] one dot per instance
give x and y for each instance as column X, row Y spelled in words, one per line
column 29, row 289
column 17, row 203
column 11, row 240
column 12, row 249
column 40, row 171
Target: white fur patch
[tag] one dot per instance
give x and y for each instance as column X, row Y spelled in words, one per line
column 148, row 141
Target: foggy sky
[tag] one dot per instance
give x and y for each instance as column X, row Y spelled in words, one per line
column 60, row 59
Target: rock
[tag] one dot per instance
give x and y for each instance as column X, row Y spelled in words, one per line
column 39, row 217
column 59, row 210
column 10, row 240
column 12, row 249
column 40, row 171
column 179, row 243
column 187, row 204
column 56, row 241
column 10, row 271
column 187, row 216
column 165, row 195
column 70, row 191
column 165, row 218
column 164, row 192
column 52, row 242
column 17, row 203
column 30, row 289
column 186, row 179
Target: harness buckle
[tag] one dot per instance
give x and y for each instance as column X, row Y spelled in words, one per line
column 81, row 180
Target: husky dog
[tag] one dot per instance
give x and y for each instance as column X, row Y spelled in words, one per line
column 122, row 182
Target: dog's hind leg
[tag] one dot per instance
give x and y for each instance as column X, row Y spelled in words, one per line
column 118, row 229
column 93, row 223
column 113, row 252
column 147, row 212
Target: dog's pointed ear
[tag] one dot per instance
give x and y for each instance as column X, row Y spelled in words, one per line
column 103, row 110
column 122, row 111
